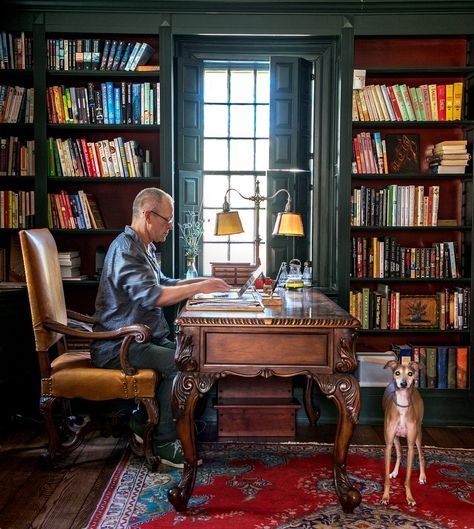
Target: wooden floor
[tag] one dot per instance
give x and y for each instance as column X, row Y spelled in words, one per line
column 32, row 496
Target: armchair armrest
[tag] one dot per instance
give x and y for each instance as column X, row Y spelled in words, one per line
column 138, row 332
column 79, row 317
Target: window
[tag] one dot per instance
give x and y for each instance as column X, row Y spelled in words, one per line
column 236, row 132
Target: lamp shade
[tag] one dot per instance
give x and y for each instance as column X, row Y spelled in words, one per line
column 288, row 223
column 228, row 223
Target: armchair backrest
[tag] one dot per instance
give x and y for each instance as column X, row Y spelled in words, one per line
column 44, row 283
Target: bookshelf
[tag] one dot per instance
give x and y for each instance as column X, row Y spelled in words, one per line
column 413, row 61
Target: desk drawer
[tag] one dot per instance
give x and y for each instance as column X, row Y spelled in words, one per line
column 300, row 348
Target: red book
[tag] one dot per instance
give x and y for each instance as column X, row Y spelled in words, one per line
column 395, row 106
column 70, row 217
column 357, row 155
column 85, row 153
column 441, row 98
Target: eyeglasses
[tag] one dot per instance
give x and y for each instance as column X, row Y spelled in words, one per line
column 168, row 220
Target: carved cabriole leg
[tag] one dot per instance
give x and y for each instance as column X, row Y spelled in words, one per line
column 312, row 412
column 46, row 410
column 146, row 449
column 344, row 390
column 187, row 389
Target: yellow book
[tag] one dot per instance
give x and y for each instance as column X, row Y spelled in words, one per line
column 449, row 102
column 433, row 101
column 457, row 100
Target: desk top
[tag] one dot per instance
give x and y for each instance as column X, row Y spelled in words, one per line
column 308, row 308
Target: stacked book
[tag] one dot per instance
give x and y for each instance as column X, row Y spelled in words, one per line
column 449, row 156
column 70, row 262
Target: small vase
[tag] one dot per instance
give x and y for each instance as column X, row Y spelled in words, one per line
column 191, row 271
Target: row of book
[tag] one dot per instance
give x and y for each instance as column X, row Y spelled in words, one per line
column 399, row 102
column 69, row 263
column 17, row 209
column 15, row 51
column 97, row 54
column 74, row 211
column 79, row 157
column 17, row 157
column 395, row 205
column 449, row 156
column 441, row 367
column 369, row 154
column 384, row 258
column 125, row 104
column 387, row 309
column 16, row 104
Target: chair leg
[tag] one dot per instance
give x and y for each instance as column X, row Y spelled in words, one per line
column 146, row 449
column 77, row 432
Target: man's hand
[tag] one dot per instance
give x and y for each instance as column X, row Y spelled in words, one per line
column 214, row 284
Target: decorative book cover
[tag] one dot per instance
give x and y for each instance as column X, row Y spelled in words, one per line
column 403, row 153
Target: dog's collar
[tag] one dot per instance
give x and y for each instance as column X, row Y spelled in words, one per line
column 401, row 405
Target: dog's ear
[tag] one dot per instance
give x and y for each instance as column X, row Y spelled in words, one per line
column 414, row 366
column 392, row 364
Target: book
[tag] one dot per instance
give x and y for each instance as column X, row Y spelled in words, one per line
column 358, row 79
column 461, row 367
column 448, row 169
column 457, row 100
column 67, row 271
column 94, row 213
column 442, row 367
column 403, row 153
column 451, row 367
column 431, row 367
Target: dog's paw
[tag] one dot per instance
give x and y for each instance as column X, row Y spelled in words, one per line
column 385, row 499
column 411, row 502
column 422, row 480
column 393, row 474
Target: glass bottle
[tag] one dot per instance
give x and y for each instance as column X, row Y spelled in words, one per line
column 283, row 275
column 307, row 274
column 295, row 279
column 191, row 271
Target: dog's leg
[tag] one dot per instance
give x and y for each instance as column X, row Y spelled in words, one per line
column 388, row 456
column 421, row 459
column 411, row 436
column 398, row 450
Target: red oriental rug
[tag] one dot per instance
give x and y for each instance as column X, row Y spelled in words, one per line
column 289, row 486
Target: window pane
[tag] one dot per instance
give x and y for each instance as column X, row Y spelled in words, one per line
column 213, row 253
column 241, row 155
column 215, row 86
column 263, row 123
column 215, row 120
column 242, row 121
column 246, row 185
column 215, row 155
column 214, row 188
column 263, row 87
column 242, row 253
column 247, row 218
column 261, row 155
column 241, row 87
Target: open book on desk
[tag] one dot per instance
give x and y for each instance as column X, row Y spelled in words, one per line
column 250, row 301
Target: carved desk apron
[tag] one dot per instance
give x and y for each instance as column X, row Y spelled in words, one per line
column 307, row 335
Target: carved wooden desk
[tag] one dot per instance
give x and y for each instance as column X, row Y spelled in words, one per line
column 307, row 335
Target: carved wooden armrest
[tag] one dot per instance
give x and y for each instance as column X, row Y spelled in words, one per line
column 79, row 317
column 138, row 332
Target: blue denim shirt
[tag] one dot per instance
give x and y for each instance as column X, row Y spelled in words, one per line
column 129, row 288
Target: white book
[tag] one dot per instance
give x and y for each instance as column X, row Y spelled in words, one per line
column 113, row 155
column 108, row 157
column 358, row 80
column 119, row 158
column 129, row 157
column 128, row 66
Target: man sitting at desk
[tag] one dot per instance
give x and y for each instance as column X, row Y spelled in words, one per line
column 133, row 289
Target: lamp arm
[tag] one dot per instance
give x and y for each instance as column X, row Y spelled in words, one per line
column 237, row 191
column 288, row 203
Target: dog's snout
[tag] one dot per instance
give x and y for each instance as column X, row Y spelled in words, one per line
column 403, row 383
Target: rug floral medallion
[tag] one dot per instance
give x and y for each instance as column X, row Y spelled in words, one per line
column 289, row 486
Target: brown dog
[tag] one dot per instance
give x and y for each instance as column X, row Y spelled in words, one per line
column 403, row 410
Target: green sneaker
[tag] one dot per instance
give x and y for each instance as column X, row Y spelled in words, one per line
column 171, row 454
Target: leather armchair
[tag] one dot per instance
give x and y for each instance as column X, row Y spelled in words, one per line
column 66, row 372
